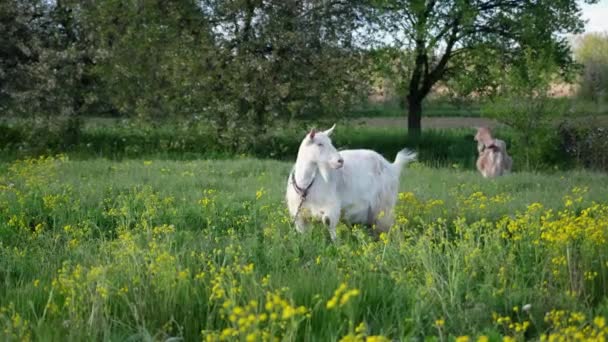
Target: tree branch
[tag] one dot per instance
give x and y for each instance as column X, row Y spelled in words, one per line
column 438, row 71
column 490, row 5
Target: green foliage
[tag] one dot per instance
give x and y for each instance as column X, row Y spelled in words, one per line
column 237, row 66
column 155, row 60
column 288, row 59
column 523, row 103
column 433, row 106
column 592, row 53
column 531, row 119
column 122, row 139
column 126, row 139
column 586, row 142
column 45, row 76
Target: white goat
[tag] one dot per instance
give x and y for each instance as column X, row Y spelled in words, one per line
column 359, row 186
column 493, row 158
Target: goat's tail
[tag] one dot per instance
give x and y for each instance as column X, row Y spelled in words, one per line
column 404, row 157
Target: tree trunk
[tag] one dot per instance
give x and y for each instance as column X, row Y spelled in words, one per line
column 414, row 114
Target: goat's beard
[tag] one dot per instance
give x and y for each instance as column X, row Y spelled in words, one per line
column 324, row 170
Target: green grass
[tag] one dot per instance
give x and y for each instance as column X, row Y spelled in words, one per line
column 86, row 254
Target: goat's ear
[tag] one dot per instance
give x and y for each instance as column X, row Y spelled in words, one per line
column 312, row 133
column 330, row 131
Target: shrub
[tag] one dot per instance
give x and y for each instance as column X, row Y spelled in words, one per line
column 187, row 141
column 525, row 103
column 592, row 53
column 534, row 137
column 586, row 143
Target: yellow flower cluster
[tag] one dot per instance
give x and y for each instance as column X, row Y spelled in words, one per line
column 81, row 288
column 208, row 198
column 511, row 326
column 266, row 321
column 260, row 193
column 360, row 335
column 13, row 326
column 574, row 326
column 342, row 296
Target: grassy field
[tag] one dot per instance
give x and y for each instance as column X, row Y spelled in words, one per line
column 163, row 250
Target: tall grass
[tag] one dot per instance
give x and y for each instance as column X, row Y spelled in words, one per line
column 118, row 141
column 157, row 249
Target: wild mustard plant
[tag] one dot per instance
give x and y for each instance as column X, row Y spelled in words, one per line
column 134, row 250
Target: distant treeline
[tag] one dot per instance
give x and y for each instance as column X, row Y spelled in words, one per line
column 238, row 65
column 230, row 63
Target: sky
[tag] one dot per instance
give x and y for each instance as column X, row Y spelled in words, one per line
column 597, row 15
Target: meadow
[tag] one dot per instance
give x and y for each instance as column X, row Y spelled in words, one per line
column 160, row 250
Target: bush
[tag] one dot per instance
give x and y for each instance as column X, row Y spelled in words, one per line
column 586, row 143
column 186, row 141
column 534, row 138
column 127, row 139
column 592, row 53
column 9, row 136
column 525, row 103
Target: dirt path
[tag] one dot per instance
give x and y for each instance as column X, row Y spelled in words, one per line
column 434, row 122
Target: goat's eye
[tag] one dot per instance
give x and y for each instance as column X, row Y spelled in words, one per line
column 320, row 144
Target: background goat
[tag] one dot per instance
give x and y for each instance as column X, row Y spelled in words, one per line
column 359, row 186
column 493, row 159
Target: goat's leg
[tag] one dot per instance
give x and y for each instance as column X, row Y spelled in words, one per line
column 332, row 231
column 331, row 221
column 371, row 222
column 384, row 224
column 480, row 165
column 331, row 226
column 301, row 225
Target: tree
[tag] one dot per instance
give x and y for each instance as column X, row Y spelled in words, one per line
column 592, row 53
column 524, row 102
column 154, row 59
column 238, row 64
column 21, row 26
column 452, row 35
column 286, row 58
column 43, row 66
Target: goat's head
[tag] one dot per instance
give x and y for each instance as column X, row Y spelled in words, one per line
column 317, row 148
column 484, row 135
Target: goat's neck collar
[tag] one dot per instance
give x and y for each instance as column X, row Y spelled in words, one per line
column 300, row 190
column 490, row 145
column 303, row 176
